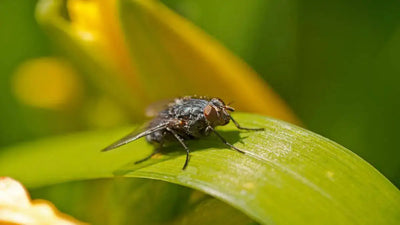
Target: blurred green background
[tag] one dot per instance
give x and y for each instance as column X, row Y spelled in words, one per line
column 334, row 62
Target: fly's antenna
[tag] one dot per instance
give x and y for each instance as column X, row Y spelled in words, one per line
column 228, row 107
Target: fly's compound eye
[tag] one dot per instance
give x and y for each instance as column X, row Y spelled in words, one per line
column 211, row 113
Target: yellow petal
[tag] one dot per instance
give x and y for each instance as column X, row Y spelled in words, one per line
column 85, row 19
column 95, row 20
column 16, row 207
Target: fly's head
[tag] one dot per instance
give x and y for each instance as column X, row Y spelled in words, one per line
column 217, row 113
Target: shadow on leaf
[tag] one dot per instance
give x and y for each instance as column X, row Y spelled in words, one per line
column 175, row 150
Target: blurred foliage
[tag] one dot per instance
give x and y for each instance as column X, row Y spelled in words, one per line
column 20, row 39
column 139, row 52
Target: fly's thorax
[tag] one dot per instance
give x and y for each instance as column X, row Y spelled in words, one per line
column 185, row 108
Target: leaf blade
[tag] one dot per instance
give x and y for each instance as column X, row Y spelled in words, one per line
column 288, row 176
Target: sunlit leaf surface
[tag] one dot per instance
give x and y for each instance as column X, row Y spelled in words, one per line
column 287, row 176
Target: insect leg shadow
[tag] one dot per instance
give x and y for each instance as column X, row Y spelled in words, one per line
column 159, row 148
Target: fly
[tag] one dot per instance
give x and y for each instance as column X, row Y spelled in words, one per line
column 184, row 119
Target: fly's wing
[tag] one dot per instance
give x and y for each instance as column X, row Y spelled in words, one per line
column 153, row 109
column 141, row 132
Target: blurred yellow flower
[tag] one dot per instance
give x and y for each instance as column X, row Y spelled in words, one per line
column 87, row 24
column 47, row 83
column 16, row 207
column 139, row 51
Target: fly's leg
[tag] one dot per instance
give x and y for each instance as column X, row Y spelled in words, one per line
column 183, row 144
column 224, row 141
column 245, row 128
column 157, row 150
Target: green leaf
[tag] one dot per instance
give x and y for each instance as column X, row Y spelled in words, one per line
column 138, row 201
column 287, row 176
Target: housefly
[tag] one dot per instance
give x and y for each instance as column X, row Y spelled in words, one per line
column 183, row 119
